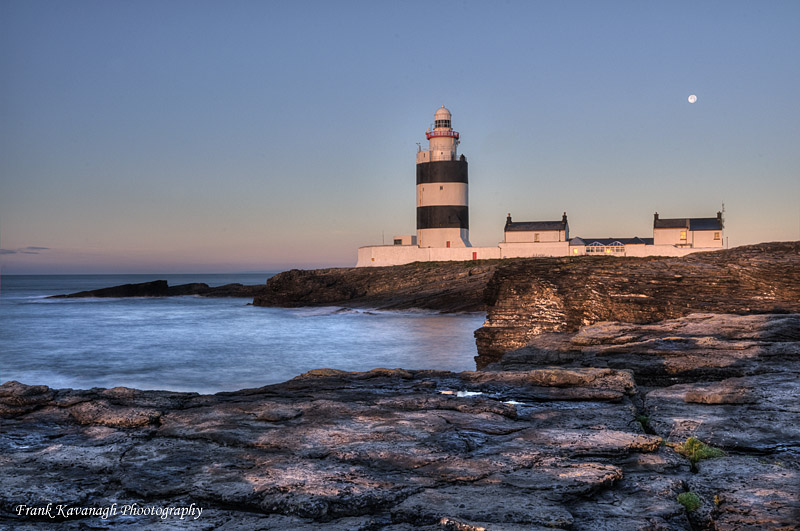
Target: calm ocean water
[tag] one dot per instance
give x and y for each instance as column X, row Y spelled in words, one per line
column 203, row 344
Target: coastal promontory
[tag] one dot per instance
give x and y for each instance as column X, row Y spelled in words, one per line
column 612, row 394
column 524, row 298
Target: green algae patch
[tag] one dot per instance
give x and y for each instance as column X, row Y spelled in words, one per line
column 696, row 450
column 689, row 500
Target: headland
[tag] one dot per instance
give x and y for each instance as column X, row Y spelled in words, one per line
column 636, row 393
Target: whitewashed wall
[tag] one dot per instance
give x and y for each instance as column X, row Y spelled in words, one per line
column 516, row 236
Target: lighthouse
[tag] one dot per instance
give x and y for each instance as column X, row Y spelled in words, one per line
column 442, row 195
column 443, row 221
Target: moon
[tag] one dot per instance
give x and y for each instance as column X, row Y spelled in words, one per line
column 692, row 98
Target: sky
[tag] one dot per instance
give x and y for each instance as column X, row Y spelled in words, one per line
column 210, row 136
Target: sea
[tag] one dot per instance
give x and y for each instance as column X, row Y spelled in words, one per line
column 206, row 345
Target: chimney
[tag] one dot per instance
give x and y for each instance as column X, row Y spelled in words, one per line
column 655, row 217
column 564, row 218
column 508, row 219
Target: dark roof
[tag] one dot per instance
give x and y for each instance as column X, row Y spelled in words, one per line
column 676, row 223
column 609, row 241
column 688, row 223
column 535, row 225
column 705, row 224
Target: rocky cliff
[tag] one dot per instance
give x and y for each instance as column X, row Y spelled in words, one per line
column 526, row 298
column 442, row 286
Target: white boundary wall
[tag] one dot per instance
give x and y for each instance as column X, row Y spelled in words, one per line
column 531, row 250
column 664, row 250
column 386, row 255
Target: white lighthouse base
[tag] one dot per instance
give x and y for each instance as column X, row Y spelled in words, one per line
column 386, row 255
column 443, row 238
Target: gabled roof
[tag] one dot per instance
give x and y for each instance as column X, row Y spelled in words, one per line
column 688, row 223
column 608, row 241
column 535, row 225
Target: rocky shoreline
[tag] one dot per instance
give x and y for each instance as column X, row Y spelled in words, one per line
column 440, row 286
column 614, row 394
column 516, row 446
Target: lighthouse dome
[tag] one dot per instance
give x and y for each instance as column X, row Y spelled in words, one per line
column 442, row 114
column 442, row 118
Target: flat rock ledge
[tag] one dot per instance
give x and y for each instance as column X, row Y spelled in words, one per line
column 731, row 381
column 385, row 449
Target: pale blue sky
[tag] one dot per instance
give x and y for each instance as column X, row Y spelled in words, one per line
column 231, row 136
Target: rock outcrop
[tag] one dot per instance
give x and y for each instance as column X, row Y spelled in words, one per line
column 441, row 286
column 160, row 288
column 526, row 298
column 698, row 347
column 731, row 381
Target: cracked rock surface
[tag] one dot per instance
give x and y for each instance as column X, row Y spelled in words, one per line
column 731, row 381
column 386, row 449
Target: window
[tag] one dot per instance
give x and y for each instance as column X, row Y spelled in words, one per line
column 536, row 237
column 595, row 247
column 599, row 248
column 716, row 235
column 441, row 188
column 575, row 251
column 398, row 241
column 442, row 123
column 683, row 235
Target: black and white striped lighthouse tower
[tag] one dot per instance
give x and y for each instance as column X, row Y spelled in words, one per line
column 442, row 195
